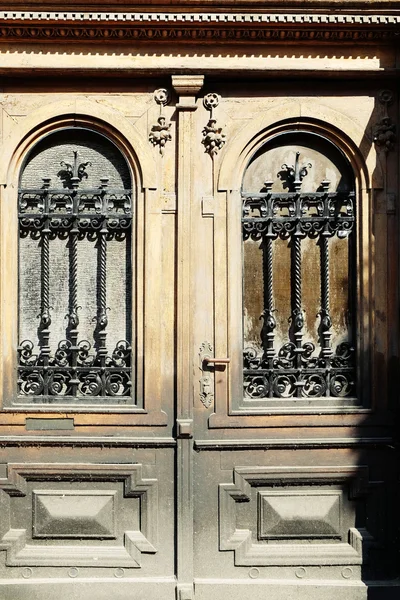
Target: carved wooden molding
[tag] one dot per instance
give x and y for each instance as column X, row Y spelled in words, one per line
column 333, row 18
column 160, row 132
column 384, row 132
column 187, row 86
column 213, row 138
column 291, row 481
column 207, row 27
column 21, row 553
column 19, row 542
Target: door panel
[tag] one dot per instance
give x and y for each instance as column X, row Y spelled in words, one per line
column 66, row 520
column 87, row 466
column 293, row 482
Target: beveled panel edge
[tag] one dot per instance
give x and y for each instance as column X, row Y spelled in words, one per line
column 135, row 542
column 249, row 444
column 86, row 440
column 41, row 510
column 249, row 553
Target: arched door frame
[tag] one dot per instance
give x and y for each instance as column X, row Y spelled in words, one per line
column 114, row 126
column 227, row 234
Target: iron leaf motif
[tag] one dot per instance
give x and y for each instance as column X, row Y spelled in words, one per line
column 72, row 174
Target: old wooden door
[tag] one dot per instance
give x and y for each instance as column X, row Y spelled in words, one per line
column 294, row 486
column 193, row 382
column 87, row 479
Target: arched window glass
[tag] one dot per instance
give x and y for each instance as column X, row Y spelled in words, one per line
column 299, row 274
column 75, row 211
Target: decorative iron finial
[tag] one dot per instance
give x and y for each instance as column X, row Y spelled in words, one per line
column 72, row 174
column 295, row 174
column 160, row 132
column 325, row 185
column 267, row 186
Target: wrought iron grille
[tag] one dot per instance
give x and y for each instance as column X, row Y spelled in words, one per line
column 298, row 368
column 77, row 368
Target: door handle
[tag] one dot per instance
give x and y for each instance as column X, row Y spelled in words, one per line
column 216, row 361
column 206, row 360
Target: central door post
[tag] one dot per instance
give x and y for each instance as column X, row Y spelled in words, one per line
column 186, row 86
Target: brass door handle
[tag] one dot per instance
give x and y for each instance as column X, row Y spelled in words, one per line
column 207, row 375
column 217, row 361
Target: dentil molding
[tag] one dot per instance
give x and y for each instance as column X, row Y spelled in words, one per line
column 197, row 27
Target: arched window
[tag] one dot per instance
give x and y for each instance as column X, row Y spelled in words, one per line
column 75, row 212
column 299, row 275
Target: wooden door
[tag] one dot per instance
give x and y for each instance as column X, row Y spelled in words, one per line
column 294, row 485
column 87, row 465
column 195, row 353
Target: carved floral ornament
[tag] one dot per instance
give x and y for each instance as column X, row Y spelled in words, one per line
column 384, row 132
column 160, row 132
column 213, row 138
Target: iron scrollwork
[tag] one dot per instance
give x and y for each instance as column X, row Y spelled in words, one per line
column 76, row 368
column 298, row 369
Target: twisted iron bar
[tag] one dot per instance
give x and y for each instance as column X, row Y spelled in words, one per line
column 73, row 311
column 297, row 273
column 102, row 312
column 268, row 316
column 73, row 319
column 74, row 270
column 269, row 274
column 326, row 321
column 297, row 317
column 45, row 319
column 102, row 320
column 325, row 298
column 297, row 314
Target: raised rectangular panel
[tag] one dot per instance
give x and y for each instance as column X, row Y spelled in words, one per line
column 102, row 515
column 299, row 514
column 73, row 514
column 295, row 508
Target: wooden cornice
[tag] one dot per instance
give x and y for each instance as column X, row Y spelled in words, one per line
column 198, row 27
column 200, row 5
